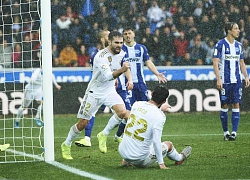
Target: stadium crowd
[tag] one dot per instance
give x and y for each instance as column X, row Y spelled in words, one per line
column 176, row 32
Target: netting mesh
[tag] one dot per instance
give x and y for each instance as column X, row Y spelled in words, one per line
column 20, row 55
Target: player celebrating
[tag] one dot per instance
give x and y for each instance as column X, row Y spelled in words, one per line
column 109, row 64
column 33, row 91
column 137, row 56
column 228, row 63
column 141, row 145
column 102, row 37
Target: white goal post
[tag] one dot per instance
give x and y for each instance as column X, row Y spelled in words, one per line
column 47, row 80
column 20, row 21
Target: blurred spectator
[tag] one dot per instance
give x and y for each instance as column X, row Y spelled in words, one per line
column 83, row 57
column 77, row 44
column 73, row 20
column 166, row 47
column 234, row 13
column 207, row 6
column 17, row 56
column 68, row 57
column 210, row 52
column 155, row 48
column 175, row 32
column 70, row 13
column 191, row 28
column 173, row 8
column 246, row 48
column 147, row 40
column 154, row 14
column 27, row 51
column 186, row 60
column 188, row 7
column 181, row 46
column 247, row 28
column 205, row 28
column 197, row 51
column 198, row 11
column 56, row 10
column 5, row 54
column 63, row 25
column 76, row 30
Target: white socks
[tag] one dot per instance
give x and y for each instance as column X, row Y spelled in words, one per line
column 174, row 155
column 72, row 135
column 19, row 114
column 38, row 114
column 113, row 122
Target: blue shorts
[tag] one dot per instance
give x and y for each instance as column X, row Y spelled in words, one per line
column 231, row 93
column 139, row 93
column 126, row 98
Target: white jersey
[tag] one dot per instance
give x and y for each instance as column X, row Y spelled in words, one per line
column 138, row 134
column 102, row 82
column 35, row 80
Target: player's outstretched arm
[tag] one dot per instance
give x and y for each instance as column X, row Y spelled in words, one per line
column 161, row 77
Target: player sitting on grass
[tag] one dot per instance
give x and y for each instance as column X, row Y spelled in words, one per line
column 141, row 145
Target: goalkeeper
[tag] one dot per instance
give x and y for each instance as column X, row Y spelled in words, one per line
column 33, row 91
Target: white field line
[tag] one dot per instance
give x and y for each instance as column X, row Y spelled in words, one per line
column 169, row 135
column 62, row 166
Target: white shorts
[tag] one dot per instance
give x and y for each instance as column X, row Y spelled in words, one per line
column 91, row 104
column 30, row 95
column 150, row 159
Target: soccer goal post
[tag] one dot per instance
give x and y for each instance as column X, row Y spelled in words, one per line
column 47, row 80
column 26, row 81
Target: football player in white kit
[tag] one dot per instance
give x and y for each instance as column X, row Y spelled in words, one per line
column 141, row 145
column 33, row 91
column 109, row 65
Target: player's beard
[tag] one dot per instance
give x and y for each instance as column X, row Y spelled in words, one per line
column 116, row 50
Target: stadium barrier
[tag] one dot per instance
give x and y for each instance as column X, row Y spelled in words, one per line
column 191, row 89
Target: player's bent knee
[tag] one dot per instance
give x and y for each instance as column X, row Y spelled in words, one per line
column 82, row 123
column 169, row 145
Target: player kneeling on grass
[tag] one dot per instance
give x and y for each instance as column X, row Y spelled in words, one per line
column 141, row 145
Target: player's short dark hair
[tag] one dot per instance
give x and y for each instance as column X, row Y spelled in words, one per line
column 113, row 34
column 229, row 26
column 160, row 94
column 127, row 29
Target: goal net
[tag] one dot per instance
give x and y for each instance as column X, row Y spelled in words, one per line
column 20, row 56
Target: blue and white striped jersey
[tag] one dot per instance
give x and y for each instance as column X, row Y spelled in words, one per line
column 230, row 56
column 136, row 55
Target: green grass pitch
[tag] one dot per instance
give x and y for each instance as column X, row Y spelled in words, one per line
column 211, row 158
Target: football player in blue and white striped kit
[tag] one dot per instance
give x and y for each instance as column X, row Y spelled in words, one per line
column 229, row 65
column 137, row 55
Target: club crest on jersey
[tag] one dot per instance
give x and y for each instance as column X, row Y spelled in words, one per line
column 110, row 59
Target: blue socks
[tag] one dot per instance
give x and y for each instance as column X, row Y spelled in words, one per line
column 224, row 119
column 120, row 129
column 235, row 119
column 88, row 128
